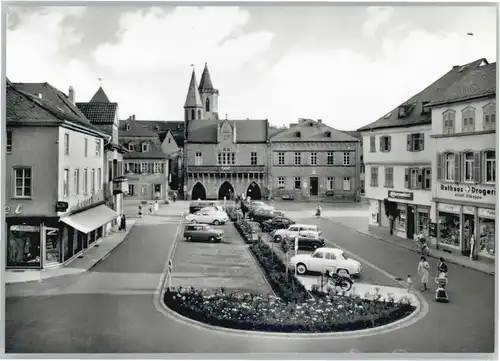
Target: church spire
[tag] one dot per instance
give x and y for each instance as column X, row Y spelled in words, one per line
column 205, row 82
column 100, row 96
column 193, row 99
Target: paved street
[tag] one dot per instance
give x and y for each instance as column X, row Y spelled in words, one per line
column 112, row 309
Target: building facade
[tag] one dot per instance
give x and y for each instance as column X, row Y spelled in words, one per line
column 54, row 179
column 146, row 165
column 312, row 161
column 103, row 114
column 464, row 167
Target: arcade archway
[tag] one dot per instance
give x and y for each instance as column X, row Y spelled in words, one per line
column 198, row 192
column 253, row 191
column 226, row 190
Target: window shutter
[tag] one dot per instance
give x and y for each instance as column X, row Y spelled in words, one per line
column 381, row 145
column 477, row 167
column 407, row 177
column 457, row 167
column 420, row 177
column 421, row 141
column 389, row 143
column 408, row 142
column 439, row 166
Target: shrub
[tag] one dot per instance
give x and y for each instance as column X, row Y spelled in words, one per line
column 268, row 313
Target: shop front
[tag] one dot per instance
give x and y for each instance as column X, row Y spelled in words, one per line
column 466, row 216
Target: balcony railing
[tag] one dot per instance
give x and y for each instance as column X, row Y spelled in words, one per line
column 226, row 169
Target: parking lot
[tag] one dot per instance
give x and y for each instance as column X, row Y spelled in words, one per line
column 228, row 264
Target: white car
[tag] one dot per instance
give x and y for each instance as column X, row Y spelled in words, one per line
column 261, row 205
column 215, row 207
column 293, row 231
column 325, row 258
column 208, row 216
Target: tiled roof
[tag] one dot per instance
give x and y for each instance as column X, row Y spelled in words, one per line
column 154, row 152
column 353, row 133
column 206, row 81
column 99, row 113
column 159, row 127
column 413, row 106
column 193, row 96
column 474, row 84
column 247, row 130
column 23, row 107
column 100, row 96
column 51, row 94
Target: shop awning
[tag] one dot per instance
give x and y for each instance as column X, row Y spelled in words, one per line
column 90, row 219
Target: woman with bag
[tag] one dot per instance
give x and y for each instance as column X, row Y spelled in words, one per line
column 423, row 272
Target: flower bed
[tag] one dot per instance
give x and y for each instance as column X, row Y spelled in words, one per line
column 271, row 314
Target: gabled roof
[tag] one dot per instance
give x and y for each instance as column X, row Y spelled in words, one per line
column 206, row 81
column 25, row 108
column 100, row 96
column 51, row 94
column 193, row 98
column 311, row 130
column 137, row 129
column 158, row 127
column 413, row 106
column 247, row 130
column 353, row 133
column 476, row 83
column 154, row 152
column 99, row 113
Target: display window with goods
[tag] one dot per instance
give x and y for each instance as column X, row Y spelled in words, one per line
column 449, row 229
column 52, row 245
column 423, row 222
column 401, row 220
column 23, row 246
column 486, row 237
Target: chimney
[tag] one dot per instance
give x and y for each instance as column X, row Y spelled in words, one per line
column 132, row 117
column 71, row 94
column 320, row 121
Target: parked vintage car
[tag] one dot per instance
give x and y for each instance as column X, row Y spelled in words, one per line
column 260, row 215
column 307, row 240
column 196, row 206
column 325, row 258
column 278, row 222
column 210, row 216
column 202, row 232
column 293, row 231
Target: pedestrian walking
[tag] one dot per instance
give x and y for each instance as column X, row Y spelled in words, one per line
column 174, row 196
column 157, row 206
column 409, row 283
column 140, row 210
column 151, row 208
column 123, row 223
column 423, row 272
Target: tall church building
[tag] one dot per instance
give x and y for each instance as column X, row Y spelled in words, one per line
column 222, row 158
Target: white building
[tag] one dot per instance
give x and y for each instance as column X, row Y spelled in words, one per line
column 464, row 169
column 398, row 154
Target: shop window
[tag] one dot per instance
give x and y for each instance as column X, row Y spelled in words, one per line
column 372, row 144
column 23, row 246
column 423, row 223
column 22, row 182
column 468, row 167
column 486, row 237
column 449, row 229
column 329, row 158
column 52, row 245
column 281, row 182
column 401, row 220
column 374, row 176
column 314, row 158
column 415, row 142
column 330, row 183
column 297, row 183
column 253, row 158
column 297, row 158
column 385, row 143
column 468, row 119
column 449, row 122
column 489, row 114
column 489, row 166
column 449, row 166
column 389, row 177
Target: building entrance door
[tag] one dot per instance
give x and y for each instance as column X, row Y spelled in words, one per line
column 410, row 223
column 313, row 186
column 469, row 228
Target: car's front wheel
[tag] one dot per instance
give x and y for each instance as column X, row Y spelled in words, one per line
column 314, row 246
column 216, row 222
column 189, row 238
column 301, row 268
column 212, row 239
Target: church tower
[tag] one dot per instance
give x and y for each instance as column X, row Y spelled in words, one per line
column 209, row 96
column 193, row 107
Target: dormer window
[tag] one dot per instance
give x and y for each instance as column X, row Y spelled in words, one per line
column 328, row 134
column 425, row 108
column 145, row 147
column 157, row 127
column 127, row 127
column 297, row 134
column 130, row 147
column 311, row 124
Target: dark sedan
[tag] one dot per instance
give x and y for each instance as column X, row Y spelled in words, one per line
column 308, row 240
column 279, row 222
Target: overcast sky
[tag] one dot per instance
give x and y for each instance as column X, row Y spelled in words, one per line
column 346, row 65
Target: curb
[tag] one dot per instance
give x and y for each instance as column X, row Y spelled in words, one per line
column 411, row 249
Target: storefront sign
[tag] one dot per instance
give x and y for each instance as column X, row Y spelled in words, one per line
column 89, row 200
column 482, row 193
column 17, row 210
column 450, row 208
column 468, row 210
column 486, row 213
column 400, row 195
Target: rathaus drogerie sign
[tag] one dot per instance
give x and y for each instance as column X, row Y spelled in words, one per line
column 486, row 194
